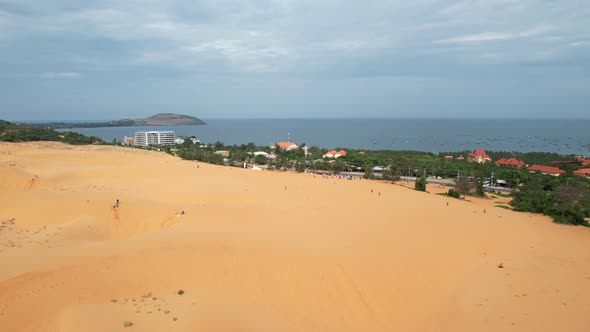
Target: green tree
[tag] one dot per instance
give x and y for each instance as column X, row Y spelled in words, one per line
column 535, row 196
column 462, row 186
column 568, row 198
column 453, row 193
column 338, row 166
column 479, row 188
column 420, row 184
column 300, row 166
column 369, row 173
column 261, row 159
column 218, row 145
column 391, row 173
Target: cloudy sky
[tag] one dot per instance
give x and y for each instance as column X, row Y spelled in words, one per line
column 100, row 60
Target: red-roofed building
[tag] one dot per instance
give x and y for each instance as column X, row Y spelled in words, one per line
column 335, row 154
column 330, row 154
column 287, row 146
column 547, row 170
column 585, row 162
column 510, row 162
column 479, row 156
column 583, row 173
column 449, row 157
column 223, row 153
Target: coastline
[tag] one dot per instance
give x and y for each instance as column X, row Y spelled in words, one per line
column 431, row 135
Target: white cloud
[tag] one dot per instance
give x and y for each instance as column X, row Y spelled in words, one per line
column 246, row 55
column 294, row 36
column 580, row 43
column 493, row 36
column 4, row 23
column 53, row 75
column 481, row 37
column 322, row 43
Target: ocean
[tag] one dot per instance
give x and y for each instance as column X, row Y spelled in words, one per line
column 433, row 135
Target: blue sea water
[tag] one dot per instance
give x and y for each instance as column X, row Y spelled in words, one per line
column 433, row 135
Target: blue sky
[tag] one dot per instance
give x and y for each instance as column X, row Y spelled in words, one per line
column 100, row 60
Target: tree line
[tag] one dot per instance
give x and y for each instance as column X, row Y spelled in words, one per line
column 11, row 132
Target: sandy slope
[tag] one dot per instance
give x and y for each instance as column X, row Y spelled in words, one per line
column 264, row 251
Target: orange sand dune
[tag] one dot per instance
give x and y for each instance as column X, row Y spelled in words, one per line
column 267, row 251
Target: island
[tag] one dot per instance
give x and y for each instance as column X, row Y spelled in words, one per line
column 160, row 119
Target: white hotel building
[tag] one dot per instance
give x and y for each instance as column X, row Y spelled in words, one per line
column 145, row 138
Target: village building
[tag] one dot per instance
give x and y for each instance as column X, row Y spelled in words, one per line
column 546, row 170
column 510, row 162
column 261, row 153
column 583, row 173
column 335, row 154
column 224, row 153
column 329, row 154
column 287, row 146
column 479, row 156
column 449, row 157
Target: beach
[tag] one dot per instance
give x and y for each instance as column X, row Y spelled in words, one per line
column 193, row 246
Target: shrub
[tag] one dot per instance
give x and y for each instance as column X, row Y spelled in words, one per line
column 260, row 160
column 453, row 193
column 420, row 184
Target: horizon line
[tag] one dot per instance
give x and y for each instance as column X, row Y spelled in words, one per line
column 325, row 118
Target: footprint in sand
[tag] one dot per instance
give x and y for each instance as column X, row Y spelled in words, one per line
column 146, row 304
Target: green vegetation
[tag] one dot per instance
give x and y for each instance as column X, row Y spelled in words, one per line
column 261, row 159
column 420, row 184
column 565, row 199
column 194, row 152
column 479, row 188
column 453, row 193
column 463, row 186
column 10, row 132
column 300, row 166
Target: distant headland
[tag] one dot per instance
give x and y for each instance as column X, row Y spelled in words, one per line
column 160, row 119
